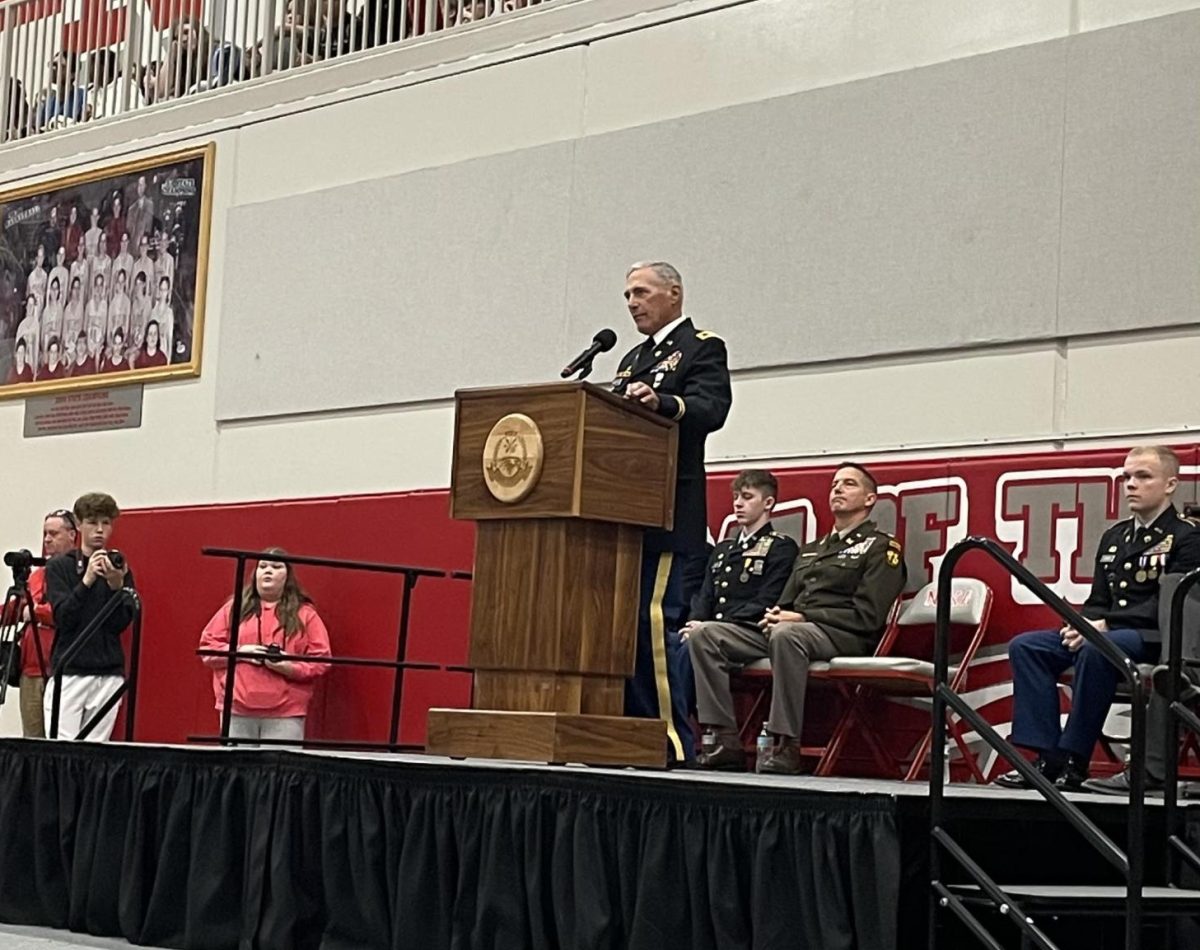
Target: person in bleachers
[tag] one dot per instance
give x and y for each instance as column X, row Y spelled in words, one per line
column 835, row 603
column 63, row 100
column 743, row 578
column 185, row 67
column 270, row 695
column 1122, row 606
column 17, row 124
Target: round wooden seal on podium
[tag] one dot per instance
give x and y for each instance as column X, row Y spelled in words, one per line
column 512, row 458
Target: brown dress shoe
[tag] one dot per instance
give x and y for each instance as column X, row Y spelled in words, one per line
column 783, row 760
column 726, row 756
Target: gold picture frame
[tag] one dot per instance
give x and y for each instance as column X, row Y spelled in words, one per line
column 103, row 275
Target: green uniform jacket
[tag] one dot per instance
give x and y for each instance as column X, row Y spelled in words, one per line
column 847, row 585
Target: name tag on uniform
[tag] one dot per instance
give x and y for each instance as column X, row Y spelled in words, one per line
column 1107, row 558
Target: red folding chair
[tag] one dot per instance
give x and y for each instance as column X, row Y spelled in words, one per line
column 755, row 679
column 903, row 667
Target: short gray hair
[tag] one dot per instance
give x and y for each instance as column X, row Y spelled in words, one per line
column 664, row 271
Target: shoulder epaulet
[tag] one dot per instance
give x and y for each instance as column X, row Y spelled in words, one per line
column 1191, row 519
column 706, row 335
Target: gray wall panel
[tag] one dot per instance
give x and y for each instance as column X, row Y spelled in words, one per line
column 396, row 290
column 922, row 210
column 1131, row 183
column 912, row 211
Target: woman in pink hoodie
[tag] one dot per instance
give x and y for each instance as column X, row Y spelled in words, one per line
column 270, row 694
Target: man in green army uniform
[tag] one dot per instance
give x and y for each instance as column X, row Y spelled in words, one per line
column 835, row 603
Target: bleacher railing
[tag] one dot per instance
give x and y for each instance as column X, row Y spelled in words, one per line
column 65, row 62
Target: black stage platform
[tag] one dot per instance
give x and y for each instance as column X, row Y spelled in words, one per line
column 214, row 848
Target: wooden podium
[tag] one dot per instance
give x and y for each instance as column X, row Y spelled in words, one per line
column 561, row 479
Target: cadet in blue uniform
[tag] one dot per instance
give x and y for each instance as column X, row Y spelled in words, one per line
column 743, row 579
column 1123, row 606
column 683, row 374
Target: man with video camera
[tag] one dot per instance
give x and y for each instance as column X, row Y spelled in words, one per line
column 79, row 585
column 58, row 537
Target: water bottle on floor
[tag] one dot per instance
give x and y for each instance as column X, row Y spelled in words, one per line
column 762, row 748
column 708, row 743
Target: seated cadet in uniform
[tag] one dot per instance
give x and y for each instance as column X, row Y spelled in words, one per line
column 1122, row 606
column 835, row 603
column 744, row 576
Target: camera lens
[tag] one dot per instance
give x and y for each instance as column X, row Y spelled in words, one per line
column 116, row 559
column 18, row 559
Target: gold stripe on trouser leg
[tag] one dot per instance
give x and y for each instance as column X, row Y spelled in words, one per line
column 658, row 642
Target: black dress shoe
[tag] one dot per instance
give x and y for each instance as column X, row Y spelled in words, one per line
column 1015, row 779
column 1073, row 775
column 1119, row 784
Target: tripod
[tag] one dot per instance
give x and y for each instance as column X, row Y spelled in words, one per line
column 17, row 599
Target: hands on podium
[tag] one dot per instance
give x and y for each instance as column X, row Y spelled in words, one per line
column 640, row 392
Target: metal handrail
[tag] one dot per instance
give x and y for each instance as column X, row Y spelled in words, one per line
column 411, row 575
column 1130, row 863
column 1178, row 715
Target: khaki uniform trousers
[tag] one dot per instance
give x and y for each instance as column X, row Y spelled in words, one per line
column 719, row 648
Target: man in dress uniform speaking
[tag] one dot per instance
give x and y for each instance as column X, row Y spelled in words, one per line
column 835, row 602
column 1123, row 606
column 683, row 374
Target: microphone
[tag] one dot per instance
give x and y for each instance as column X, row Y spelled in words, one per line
column 602, row 342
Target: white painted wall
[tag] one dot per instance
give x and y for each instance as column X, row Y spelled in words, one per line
column 1036, row 395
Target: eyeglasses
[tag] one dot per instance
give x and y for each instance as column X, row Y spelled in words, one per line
column 67, row 516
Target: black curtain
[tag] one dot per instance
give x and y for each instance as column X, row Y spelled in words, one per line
column 214, row 848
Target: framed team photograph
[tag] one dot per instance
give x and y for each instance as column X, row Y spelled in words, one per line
column 103, row 275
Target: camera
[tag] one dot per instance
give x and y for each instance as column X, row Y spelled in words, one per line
column 274, row 649
column 116, row 558
column 23, row 560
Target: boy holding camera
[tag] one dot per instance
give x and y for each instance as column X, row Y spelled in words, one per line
column 79, row 585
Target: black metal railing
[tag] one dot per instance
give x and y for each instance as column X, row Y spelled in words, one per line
column 1178, row 715
column 400, row 664
column 125, row 597
column 1130, row 862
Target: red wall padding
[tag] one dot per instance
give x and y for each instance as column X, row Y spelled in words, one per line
column 182, row 589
